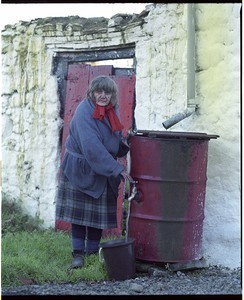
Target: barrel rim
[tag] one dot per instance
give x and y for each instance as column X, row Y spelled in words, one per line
column 117, row 243
column 175, row 134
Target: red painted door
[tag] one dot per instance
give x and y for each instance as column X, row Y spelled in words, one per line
column 78, row 79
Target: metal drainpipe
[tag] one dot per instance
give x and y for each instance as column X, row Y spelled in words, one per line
column 191, row 101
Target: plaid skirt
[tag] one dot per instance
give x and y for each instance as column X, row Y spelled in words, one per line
column 76, row 207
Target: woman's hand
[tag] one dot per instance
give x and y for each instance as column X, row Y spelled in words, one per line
column 126, row 176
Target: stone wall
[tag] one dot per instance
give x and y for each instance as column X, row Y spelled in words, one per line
column 31, row 104
column 218, row 88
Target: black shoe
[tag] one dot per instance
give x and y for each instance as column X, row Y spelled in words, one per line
column 77, row 260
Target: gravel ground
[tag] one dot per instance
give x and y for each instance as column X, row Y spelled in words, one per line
column 213, row 280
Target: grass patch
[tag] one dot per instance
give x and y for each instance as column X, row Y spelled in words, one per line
column 44, row 257
column 31, row 255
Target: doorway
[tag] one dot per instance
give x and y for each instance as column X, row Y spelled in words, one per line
column 79, row 76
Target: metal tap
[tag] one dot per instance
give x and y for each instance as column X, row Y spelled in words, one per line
column 134, row 191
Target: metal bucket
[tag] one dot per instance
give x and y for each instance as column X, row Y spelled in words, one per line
column 119, row 258
column 166, row 221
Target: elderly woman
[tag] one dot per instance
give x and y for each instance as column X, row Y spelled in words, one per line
column 88, row 187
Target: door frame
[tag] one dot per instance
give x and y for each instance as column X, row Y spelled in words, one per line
column 62, row 66
column 61, row 61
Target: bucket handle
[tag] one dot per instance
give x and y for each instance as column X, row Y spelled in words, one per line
column 101, row 258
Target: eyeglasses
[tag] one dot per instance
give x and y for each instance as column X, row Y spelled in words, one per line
column 102, row 91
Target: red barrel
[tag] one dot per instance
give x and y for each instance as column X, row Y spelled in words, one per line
column 166, row 218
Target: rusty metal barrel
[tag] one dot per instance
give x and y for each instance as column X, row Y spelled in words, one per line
column 166, row 218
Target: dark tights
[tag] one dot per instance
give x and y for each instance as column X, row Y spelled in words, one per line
column 80, row 233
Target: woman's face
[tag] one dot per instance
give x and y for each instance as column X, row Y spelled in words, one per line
column 102, row 98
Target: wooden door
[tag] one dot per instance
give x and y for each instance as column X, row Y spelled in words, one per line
column 78, row 79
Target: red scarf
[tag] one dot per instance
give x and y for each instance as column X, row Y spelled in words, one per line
column 109, row 112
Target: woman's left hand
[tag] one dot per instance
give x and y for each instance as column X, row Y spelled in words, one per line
column 126, row 176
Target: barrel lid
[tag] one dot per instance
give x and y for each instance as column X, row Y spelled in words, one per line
column 176, row 135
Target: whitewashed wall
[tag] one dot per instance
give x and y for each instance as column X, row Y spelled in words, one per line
column 31, row 122
column 218, row 82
